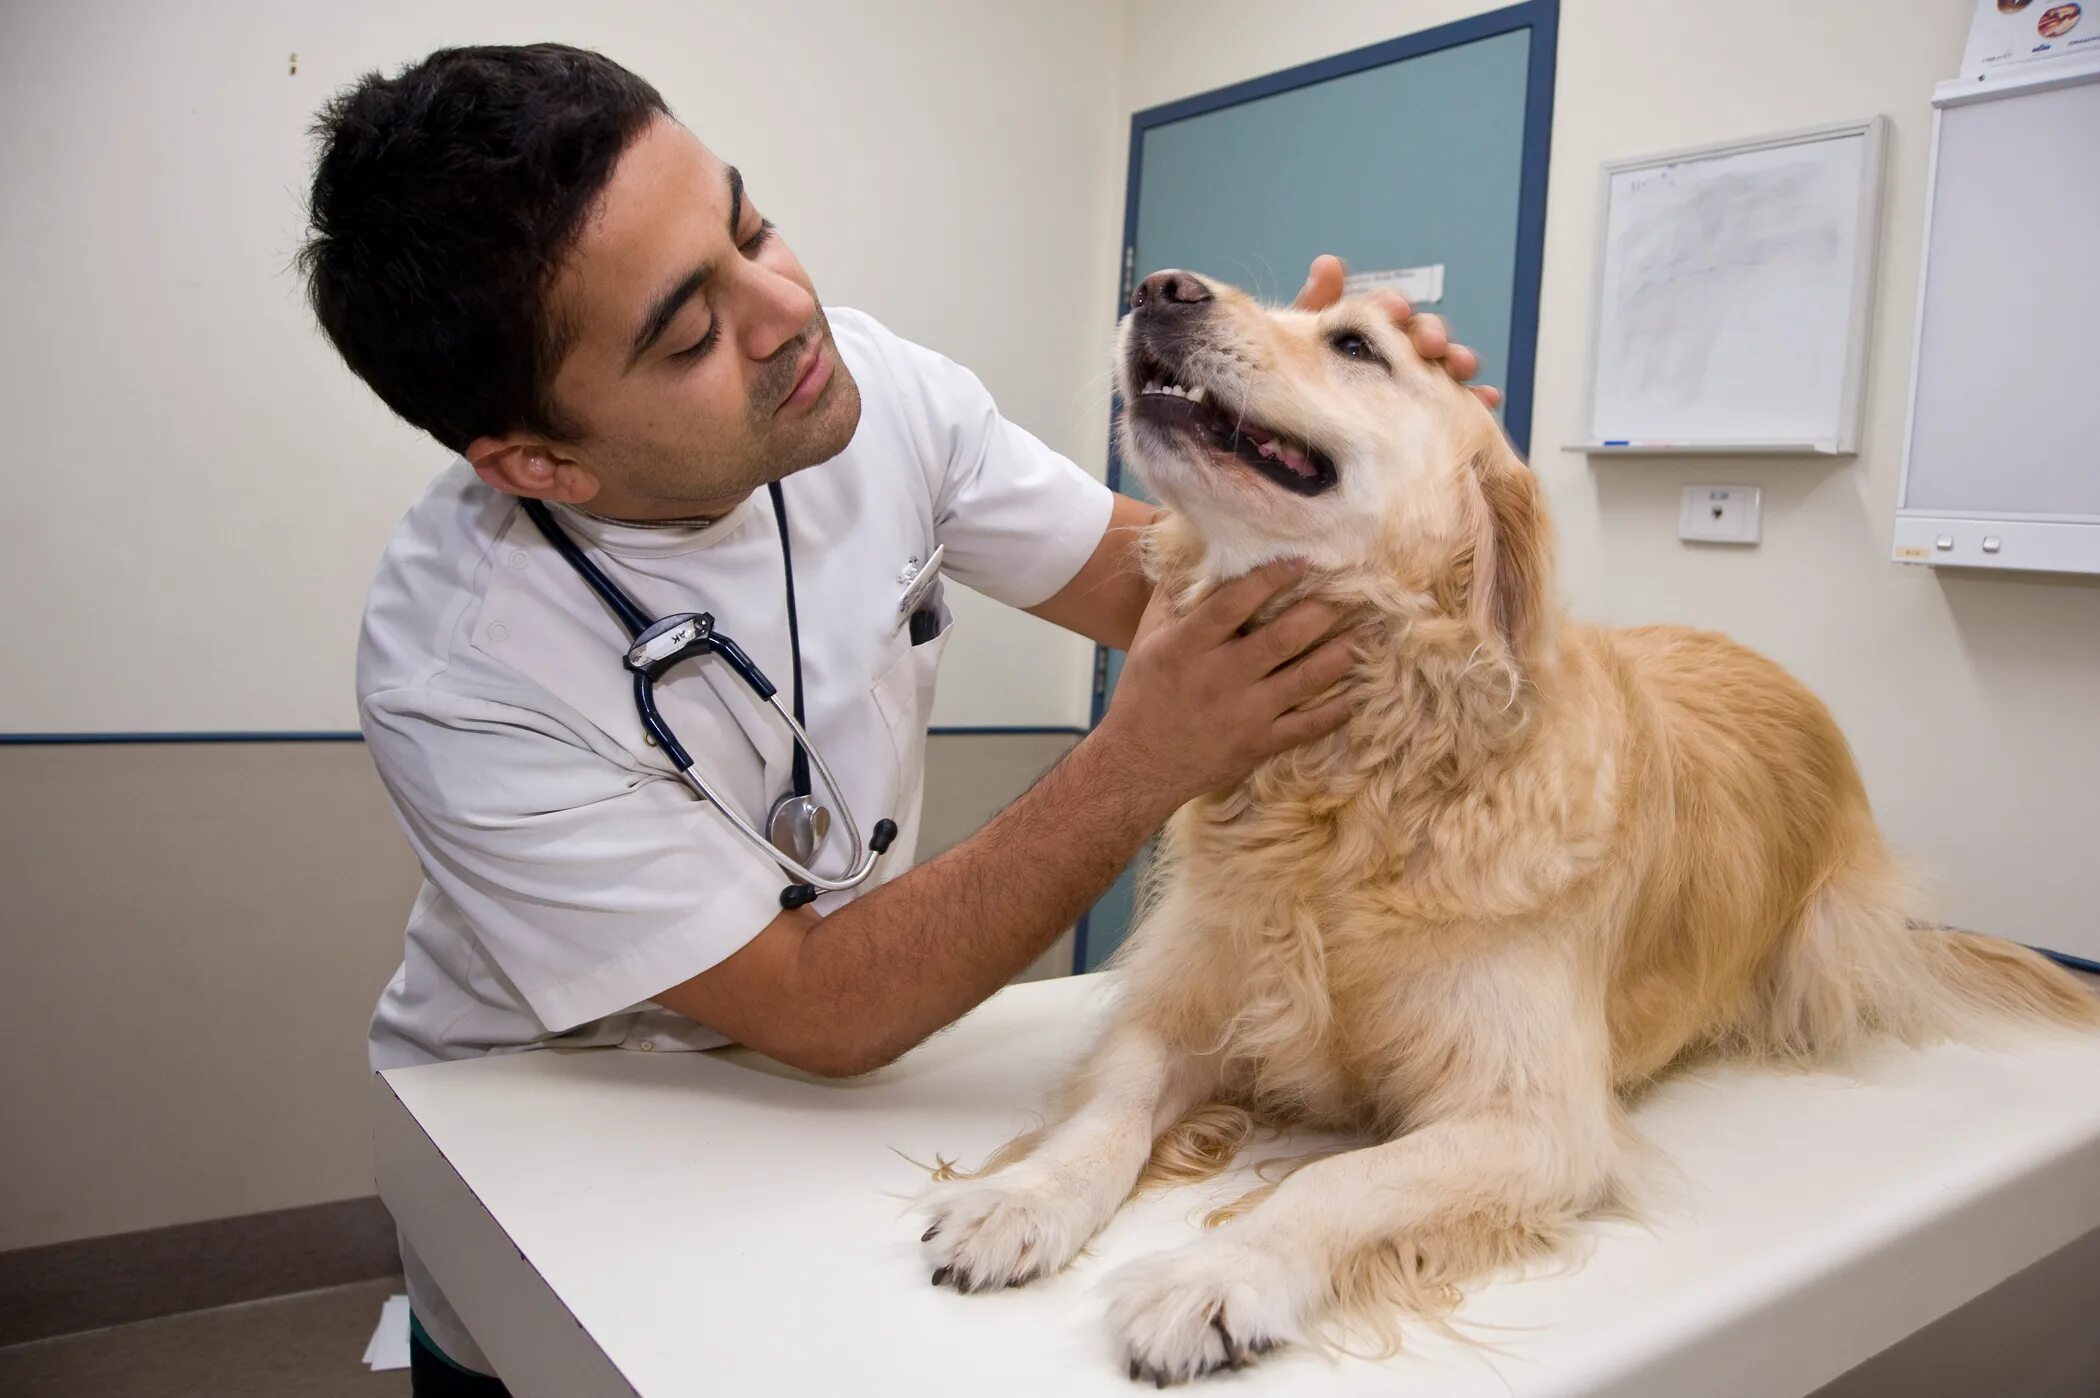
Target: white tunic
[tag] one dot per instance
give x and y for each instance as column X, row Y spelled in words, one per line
column 569, row 874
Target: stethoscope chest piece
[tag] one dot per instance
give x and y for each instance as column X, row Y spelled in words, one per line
column 798, row 826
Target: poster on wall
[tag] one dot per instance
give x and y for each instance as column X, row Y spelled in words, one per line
column 2017, row 34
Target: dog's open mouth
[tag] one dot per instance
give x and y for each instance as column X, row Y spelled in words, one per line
column 1167, row 403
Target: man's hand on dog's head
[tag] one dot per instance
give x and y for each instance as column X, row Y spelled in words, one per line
column 1323, row 287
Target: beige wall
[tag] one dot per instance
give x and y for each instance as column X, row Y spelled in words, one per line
column 1973, row 702
column 942, row 164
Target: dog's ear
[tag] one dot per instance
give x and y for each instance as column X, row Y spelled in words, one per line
column 1513, row 555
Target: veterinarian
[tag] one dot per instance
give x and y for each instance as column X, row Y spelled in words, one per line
column 522, row 253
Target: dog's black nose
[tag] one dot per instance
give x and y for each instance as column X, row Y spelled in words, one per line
column 1168, row 291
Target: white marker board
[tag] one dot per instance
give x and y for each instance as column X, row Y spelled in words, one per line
column 1734, row 286
column 2001, row 461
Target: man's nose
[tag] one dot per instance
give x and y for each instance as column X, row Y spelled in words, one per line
column 1169, row 292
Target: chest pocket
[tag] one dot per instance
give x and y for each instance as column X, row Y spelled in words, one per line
column 539, row 619
column 904, row 691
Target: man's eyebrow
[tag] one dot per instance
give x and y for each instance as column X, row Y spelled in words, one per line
column 666, row 308
column 671, row 302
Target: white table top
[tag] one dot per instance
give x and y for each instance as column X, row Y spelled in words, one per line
column 715, row 1223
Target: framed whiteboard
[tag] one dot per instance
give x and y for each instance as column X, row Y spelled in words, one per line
column 2001, row 451
column 1734, row 287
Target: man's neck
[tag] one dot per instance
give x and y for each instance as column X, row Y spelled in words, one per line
column 643, row 514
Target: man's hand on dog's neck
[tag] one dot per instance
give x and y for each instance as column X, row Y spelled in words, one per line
column 1201, row 703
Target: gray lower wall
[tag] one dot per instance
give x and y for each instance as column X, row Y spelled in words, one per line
column 194, row 936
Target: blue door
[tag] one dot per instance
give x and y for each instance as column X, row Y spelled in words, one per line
column 1426, row 151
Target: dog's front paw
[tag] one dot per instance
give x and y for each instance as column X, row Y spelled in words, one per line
column 1214, row 1304
column 1005, row 1229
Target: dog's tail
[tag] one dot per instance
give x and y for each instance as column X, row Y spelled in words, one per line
column 1201, row 1145
column 1856, row 965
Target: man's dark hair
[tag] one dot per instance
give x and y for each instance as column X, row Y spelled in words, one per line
column 443, row 200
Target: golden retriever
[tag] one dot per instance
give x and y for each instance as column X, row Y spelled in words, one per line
column 1541, row 864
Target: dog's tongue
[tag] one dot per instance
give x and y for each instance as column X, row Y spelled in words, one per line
column 1289, row 456
column 1274, row 450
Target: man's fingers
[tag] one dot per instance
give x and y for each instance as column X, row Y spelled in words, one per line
column 1431, row 339
column 1220, row 615
column 1323, row 284
column 1461, row 362
column 1309, row 678
column 1304, row 725
column 1397, row 307
column 1286, row 636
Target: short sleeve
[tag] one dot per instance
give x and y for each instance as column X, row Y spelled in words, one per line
column 590, row 885
column 1017, row 519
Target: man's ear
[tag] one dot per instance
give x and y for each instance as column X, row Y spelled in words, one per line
column 1513, row 568
column 531, row 467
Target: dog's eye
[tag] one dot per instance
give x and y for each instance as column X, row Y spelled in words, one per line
column 1351, row 345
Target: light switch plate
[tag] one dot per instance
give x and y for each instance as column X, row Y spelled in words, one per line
column 1721, row 514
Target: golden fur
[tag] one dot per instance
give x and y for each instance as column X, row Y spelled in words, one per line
column 1542, row 863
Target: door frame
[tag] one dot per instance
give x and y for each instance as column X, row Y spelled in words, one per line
column 1542, row 18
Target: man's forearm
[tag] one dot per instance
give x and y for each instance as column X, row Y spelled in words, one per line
column 892, row 967
column 1203, row 700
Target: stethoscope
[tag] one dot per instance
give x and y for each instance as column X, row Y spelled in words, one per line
column 797, row 824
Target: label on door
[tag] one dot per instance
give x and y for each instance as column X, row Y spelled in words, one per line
column 1421, row 285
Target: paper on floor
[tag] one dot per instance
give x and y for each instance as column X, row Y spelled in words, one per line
column 388, row 1347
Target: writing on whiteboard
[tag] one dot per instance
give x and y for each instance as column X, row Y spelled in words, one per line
column 1730, row 249
column 1727, row 295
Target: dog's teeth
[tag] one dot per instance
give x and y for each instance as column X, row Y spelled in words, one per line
column 1195, row 395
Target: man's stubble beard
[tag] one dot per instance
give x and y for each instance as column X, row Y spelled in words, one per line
column 828, row 432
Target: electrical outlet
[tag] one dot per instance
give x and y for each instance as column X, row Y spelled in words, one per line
column 1721, row 514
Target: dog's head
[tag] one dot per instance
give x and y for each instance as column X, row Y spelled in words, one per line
column 1277, row 434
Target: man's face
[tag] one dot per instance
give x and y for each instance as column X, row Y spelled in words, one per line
column 700, row 365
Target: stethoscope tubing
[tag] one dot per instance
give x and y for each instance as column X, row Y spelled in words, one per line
column 861, row 856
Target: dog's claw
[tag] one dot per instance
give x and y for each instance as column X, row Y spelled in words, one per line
column 940, row 1277
column 1136, row 1369
column 928, row 1235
